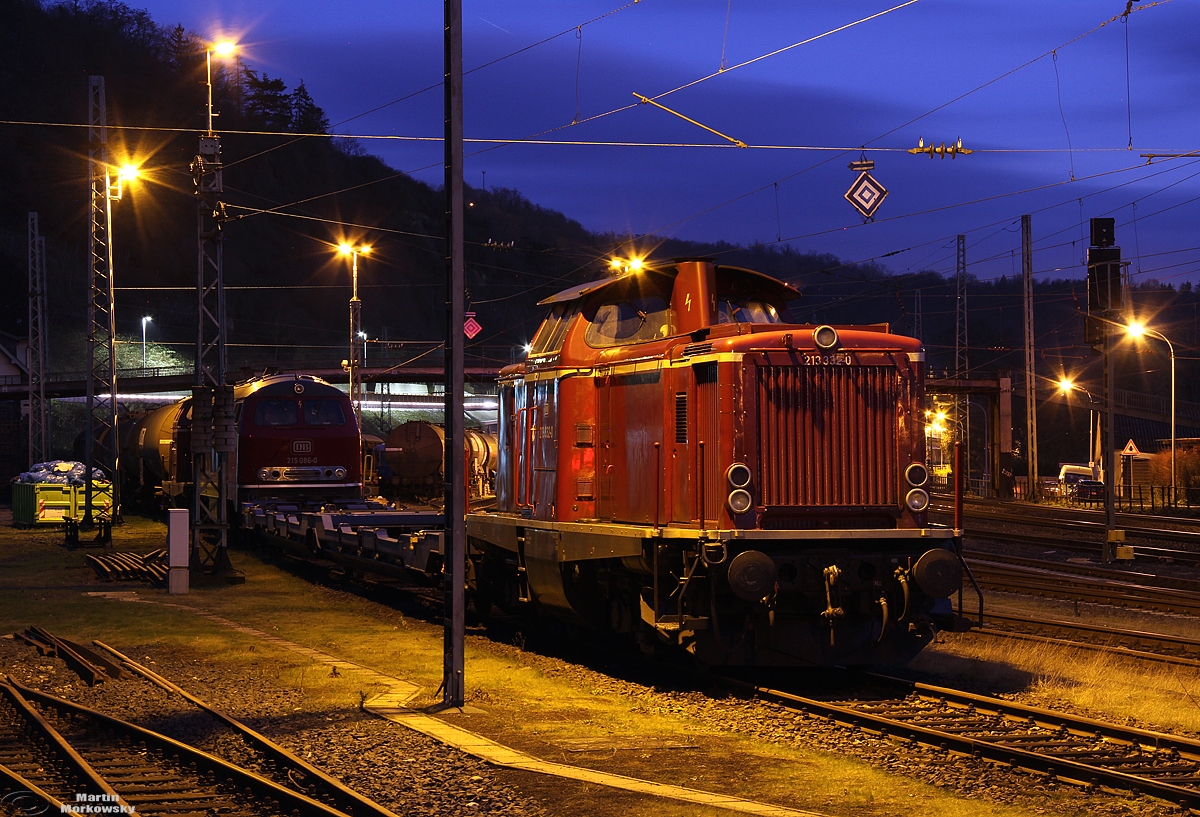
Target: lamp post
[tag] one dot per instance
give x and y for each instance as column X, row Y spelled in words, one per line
column 356, row 332
column 224, row 50
column 1066, row 386
column 145, row 321
column 1137, row 330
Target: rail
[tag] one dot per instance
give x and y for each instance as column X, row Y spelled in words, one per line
column 1080, row 750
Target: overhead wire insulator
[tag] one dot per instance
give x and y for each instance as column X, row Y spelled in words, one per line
column 940, row 150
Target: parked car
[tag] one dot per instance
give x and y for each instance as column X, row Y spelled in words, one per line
column 1089, row 490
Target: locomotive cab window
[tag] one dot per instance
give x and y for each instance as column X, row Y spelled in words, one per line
column 323, row 413
column 632, row 320
column 748, row 310
column 275, row 412
column 549, row 338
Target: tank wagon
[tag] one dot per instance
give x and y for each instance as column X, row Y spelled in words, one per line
column 297, row 439
column 412, row 461
column 681, row 461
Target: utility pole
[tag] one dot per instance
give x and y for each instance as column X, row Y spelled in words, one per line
column 455, row 496
column 1030, row 366
column 39, row 414
column 100, row 444
column 918, row 329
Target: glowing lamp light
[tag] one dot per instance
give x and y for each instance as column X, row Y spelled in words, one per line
column 128, row 172
column 636, row 264
column 225, row 48
column 1136, row 330
column 1065, row 385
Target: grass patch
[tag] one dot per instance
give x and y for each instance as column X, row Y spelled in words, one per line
column 1163, row 697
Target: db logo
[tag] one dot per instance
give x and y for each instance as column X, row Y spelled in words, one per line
column 302, row 446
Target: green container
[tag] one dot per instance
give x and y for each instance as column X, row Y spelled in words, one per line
column 44, row 504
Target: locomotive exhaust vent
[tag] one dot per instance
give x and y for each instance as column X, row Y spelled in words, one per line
column 584, row 489
column 681, row 435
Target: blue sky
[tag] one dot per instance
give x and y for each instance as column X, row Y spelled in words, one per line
column 933, row 69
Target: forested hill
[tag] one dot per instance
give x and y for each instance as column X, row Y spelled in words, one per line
column 287, row 288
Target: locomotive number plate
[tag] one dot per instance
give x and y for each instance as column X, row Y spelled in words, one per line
column 835, row 359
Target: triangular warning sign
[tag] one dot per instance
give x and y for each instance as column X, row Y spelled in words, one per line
column 1131, row 450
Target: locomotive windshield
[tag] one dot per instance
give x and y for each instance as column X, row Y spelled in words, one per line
column 275, row 411
column 731, row 310
column 323, row 413
column 631, row 320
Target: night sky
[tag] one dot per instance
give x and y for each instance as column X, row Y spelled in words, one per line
column 1059, row 100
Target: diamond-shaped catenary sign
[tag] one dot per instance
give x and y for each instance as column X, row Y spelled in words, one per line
column 866, row 194
column 471, row 327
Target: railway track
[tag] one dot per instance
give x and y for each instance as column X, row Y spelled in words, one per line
column 63, row 757
column 1058, row 541
column 297, row 772
column 1071, row 749
column 1133, row 525
column 1059, row 584
column 1139, row 644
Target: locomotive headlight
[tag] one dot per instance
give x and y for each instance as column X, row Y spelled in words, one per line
column 916, row 473
column 264, row 473
column 738, row 475
column 339, row 473
column 917, row 500
column 826, row 337
column 739, row 501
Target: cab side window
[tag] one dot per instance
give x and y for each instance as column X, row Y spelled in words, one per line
column 549, row 337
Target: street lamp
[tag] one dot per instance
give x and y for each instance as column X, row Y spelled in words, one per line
column 224, row 50
column 145, row 321
column 1066, row 386
column 1136, row 330
column 356, row 332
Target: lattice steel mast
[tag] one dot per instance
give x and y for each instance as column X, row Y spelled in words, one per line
column 39, row 412
column 961, row 363
column 100, row 444
column 213, row 435
column 1030, row 372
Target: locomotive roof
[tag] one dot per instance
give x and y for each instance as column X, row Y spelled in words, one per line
column 285, row 383
column 758, row 279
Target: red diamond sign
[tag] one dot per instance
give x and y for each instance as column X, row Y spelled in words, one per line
column 471, row 327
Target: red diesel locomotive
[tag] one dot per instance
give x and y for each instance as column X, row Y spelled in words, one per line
column 681, row 461
column 297, row 439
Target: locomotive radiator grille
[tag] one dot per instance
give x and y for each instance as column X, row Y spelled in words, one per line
column 827, row 435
